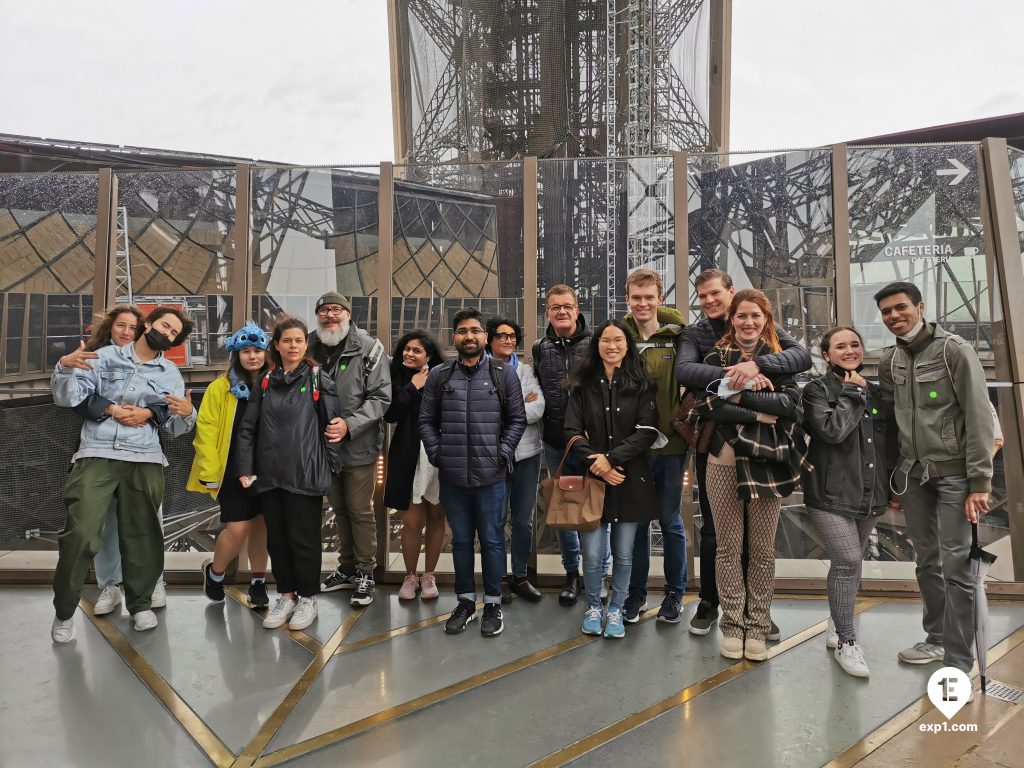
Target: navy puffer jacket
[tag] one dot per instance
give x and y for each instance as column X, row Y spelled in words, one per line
column 464, row 431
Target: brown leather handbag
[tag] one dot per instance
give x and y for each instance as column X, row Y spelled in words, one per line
column 573, row 502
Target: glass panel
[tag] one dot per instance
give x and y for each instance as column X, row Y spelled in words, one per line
column 1017, row 182
column 915, row 215
column 768, row 223
column 314, row 230
column 47, row 263
column 180, row 251
column 458, row 242
column 598, row 221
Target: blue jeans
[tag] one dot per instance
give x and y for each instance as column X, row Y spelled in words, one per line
column 107, row 561
column 476, row 512
column 521, row 491
column 594, row 548
column 668, row 484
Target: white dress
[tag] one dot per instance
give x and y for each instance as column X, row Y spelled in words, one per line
column 424, row 483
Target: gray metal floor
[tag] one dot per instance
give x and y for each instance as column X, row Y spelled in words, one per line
column 386, row 687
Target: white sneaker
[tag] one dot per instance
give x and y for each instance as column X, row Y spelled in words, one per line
column 159, row 597
column 851, row 659
column 278, row 616
column 109, row 599
column 304, row 613
column 62, row 631
column 831, row 638
column 144, row 620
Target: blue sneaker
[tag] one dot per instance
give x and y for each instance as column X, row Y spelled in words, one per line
column 592, row 620
column 613, row 627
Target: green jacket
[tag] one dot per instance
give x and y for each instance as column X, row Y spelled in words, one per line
column 941, row 404
column 659, row 355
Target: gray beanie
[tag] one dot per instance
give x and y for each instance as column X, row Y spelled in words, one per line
column 333, row 297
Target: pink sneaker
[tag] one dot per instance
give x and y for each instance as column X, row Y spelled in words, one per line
column 409, row 587
column 428, row 587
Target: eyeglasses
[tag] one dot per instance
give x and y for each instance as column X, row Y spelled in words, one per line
column 331, row 310
column 556, row 308
column 469, row 331
column 619, row 342
column 506, row 336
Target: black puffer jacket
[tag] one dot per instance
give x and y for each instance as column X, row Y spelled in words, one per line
column 700, row 339
column 607, row 418
column 280, row 439
column 465, row 432
column 848, row 448
column 553, row 358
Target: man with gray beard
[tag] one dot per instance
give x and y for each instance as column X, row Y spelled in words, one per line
column 358, row 365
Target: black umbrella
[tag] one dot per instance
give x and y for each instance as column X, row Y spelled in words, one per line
column 981, row 561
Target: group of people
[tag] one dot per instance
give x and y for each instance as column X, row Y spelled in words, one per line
column 299, row 416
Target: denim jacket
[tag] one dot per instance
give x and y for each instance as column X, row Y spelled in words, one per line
column 118, row 376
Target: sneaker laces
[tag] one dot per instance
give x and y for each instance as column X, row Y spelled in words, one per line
column 614, row 616
column 363, row 582
column 593, row 614
column 854, row 651
column 925, row 647
column 280, row 603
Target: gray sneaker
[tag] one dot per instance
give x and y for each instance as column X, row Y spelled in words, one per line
column 922, row 653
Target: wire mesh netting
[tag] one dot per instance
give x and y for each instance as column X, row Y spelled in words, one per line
column 35, row 469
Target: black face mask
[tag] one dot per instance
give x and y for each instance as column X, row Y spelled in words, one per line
column 841, row 372
column 157, row 341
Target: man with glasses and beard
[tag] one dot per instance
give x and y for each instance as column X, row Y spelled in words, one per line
column 357, row 364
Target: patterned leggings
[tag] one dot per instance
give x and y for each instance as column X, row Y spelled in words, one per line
column 847, row 540
column 746, row 603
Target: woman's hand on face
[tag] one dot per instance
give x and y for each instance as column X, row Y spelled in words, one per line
column 852, row 377
column 767, row 418
column 419, row 379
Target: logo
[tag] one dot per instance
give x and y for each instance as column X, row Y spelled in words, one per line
column 949, row 688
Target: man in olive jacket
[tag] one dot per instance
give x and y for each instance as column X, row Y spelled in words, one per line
column 658, row 331
column 944, row 467
column 359, row 367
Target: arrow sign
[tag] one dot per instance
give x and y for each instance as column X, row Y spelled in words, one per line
column 958, row 171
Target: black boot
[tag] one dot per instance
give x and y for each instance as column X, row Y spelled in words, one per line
column 571, row 591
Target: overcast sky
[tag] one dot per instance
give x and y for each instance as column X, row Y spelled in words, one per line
column 308, row 81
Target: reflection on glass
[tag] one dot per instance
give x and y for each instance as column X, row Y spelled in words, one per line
column 768, row 223
column 180, row 249
column 458, row 243
column 47, row 264
column 1017, row 182
column 314, row 230
column 915, row 215
column 598, row 221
